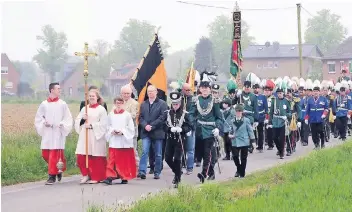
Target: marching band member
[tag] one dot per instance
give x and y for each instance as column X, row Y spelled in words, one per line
column 178, row 128
column 303, row 104
column 316, row 112
column 268, row 90
column 228, row 114
column 241, row 135
column 292, row 138
column 342, row 109
column 262, row 111
column 208, row 119
column 279, row 113
column 343, row 76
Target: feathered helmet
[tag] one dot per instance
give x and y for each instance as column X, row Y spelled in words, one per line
column 344, row 85
column 280, row 85
column 330, row 84
column 302, row 84
column 196, row 78
column 176, row 86
column 350, row 84
column 309, row 84
column 268, row 84
column 292, row 86
column 251, row 80
column 316, row 85
column 296, row 80
column 337, row 86
column 324, row 84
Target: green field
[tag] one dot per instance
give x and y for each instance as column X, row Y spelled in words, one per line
column 321, row 181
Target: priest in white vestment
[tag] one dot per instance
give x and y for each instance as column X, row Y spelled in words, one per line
column 121, row 131
column 97, row 127
column 53, row 122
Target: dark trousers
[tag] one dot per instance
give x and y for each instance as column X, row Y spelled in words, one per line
column 173, row 155
column 209, row 156
column 198, row 152
column 239, row 155
column 260, row 135
column 341, row 123
column 227, row 144
column 317, row 133
column 279, row 139
column 152, row 156
column 304, row 132
column 269, row 137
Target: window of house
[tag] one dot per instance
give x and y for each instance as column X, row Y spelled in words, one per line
column 276, row 64
column 270, row 64
column 70, row 91
column 331, row 67
column 4, row 70
column 9, row 85
column 341, row 65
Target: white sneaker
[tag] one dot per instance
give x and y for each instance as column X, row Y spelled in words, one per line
column 84, row 179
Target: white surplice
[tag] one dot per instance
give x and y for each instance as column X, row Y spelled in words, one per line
column 97, row 117
column 55, row 113
column 120, row 122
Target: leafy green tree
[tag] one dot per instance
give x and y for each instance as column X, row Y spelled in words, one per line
column 27, row 71
column 204, row 56
column 221, row 35
column 133, row 42
column 52, row 56
column 325, row 30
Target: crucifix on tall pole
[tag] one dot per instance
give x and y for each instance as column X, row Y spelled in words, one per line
column 85, row 55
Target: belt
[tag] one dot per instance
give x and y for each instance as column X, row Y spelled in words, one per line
column 247, row 111
column 263, row 111
column 209, row 123
column 281, row 117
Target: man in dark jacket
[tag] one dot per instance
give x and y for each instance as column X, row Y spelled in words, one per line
column 102, row 103
column 152, row 118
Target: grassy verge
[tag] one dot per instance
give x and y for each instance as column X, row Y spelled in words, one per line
column 321, row 181
column 21, row 159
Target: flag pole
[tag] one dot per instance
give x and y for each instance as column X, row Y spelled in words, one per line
column 238, row 77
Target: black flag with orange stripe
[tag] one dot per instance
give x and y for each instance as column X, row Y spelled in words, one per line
column 151, row 71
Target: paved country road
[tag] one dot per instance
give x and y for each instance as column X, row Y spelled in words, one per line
column 70, row 196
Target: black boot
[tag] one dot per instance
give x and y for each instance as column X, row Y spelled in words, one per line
column 227, row 157
column 211, row 177
column 237, row 174
column 124, row 182
column 51, row 180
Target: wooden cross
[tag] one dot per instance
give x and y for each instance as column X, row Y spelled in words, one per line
column 85, row 55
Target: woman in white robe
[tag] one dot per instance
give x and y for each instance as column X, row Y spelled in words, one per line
column 97, row 127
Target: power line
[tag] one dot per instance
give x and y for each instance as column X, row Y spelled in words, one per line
column 226, row 8
column 307, row 11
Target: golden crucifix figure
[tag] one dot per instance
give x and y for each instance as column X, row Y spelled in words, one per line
column 85, row 55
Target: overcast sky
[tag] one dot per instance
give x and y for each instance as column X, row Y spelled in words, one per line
column 181, row 25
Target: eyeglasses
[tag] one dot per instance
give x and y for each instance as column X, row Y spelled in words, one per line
column 188, row 90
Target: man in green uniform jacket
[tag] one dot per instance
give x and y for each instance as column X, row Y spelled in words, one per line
column 207, row 119
column 279, row 114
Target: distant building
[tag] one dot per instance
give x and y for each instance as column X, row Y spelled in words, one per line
column 9, row 75
column 274, row 60
column 120, row 77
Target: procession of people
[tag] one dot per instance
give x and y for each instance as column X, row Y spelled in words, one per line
column 196, row 128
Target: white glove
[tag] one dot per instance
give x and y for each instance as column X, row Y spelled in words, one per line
column 189, row 133
column 239, row 92
column 284, row 118
column 215, row 132
column 349, row 116
column 255, row 124
column 334, row 117
column 269, row 126
column 299, row 124
column 306, row 121
column 266, row 121
column 178, row 129
column 173, row 129
column 323, row 116
column 231, row 136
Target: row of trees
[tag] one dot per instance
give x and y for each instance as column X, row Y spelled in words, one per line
column 210, row 53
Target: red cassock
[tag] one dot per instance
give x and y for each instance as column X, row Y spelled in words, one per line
column 96, row 167
column 121, row 163
column 52, row 157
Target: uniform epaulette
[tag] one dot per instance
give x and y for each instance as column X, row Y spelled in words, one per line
column 217, row 100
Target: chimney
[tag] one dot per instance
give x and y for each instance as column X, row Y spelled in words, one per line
column 276, row 45
column 267, row 44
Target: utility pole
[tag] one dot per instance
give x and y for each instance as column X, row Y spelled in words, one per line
column 299, row 38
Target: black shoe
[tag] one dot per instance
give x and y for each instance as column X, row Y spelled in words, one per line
column 281, row 156
column 211, row 177
column 151, row 171
column 278, row 153
column 270, row 148
column 323, row 146
column 237, row 175
column 156, row 177
column 288, row 154
column 124, row 182
column 305, row 144
column 51, row 180
column 250, row 150
column 197, row 164
column 59, row 177
column 108, row 181
column 174, row 180
column 201, row 177
column 142, row 176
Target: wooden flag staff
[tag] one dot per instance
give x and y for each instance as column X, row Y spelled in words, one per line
column 85, row 55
